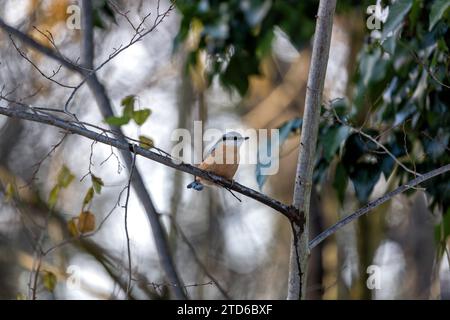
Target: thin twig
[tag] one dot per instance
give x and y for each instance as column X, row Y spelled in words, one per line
column 50, row 78
column 133, row 165
column 380, row 145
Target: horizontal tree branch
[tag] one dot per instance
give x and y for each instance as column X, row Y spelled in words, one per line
column 75, row 128
column 373, row 204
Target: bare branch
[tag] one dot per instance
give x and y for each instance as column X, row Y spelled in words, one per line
column 373, row 204
column 50, row 78
column 122, row 144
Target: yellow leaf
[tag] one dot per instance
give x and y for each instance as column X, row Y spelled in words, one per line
column 88, row 197
column 141, row 116
column 21, row 296
column 65, row 177
column 86, row 222
column 146, row 142
column 49, row 280
column 9, row 192
column 72, row 227
column 53, row 197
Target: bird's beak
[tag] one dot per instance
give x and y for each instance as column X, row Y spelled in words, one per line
column 246, row 138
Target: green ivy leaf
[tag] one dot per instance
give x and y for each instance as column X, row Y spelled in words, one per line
column 117, row 121
column 141, row 116
column 49, row 280
column 128, row 101
column 146, row 142
column 340, row 182
column 65, row 177
column 97, row 183
column 364, row 180
column 446, row 224
column 437, row 11
column 53, row 197
column 88, row 197
column 97, row 20
column 128, row 111
column 285, row 131
column 397, row 13
column 361, row 164
column 333, row 139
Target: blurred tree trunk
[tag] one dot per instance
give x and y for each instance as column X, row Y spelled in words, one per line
column 185, row 100
column 416, row 238
column 315, row 289
column 8, row 273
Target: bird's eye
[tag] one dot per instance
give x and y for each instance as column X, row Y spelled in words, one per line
column 235, row 138
column 224, row 138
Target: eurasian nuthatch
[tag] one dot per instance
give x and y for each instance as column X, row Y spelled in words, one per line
column 222, row 159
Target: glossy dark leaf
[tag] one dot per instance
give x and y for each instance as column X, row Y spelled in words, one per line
column 340, row 182
column 397, row 12
column 364, row 180
column 285, row 130
column 438, row 9
column 333, row 139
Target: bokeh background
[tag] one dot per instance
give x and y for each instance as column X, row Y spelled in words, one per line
column 244, row 245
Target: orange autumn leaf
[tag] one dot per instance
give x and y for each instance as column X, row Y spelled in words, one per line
column 86, row 222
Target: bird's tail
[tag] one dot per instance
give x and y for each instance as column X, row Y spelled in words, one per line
column 195, row 185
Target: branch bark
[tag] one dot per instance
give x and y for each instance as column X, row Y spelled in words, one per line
column 122, row 144
column 303, row 183
column 377, row 202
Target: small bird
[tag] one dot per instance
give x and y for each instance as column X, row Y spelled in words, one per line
column 222, row 159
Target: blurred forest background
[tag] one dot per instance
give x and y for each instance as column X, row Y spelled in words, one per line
column 231, row 64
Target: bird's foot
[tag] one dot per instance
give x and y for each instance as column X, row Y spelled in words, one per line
column 195, row 185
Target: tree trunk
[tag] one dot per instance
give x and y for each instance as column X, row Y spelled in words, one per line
column 303, row 183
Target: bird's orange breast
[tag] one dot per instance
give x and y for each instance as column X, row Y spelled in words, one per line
column 223, row 161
